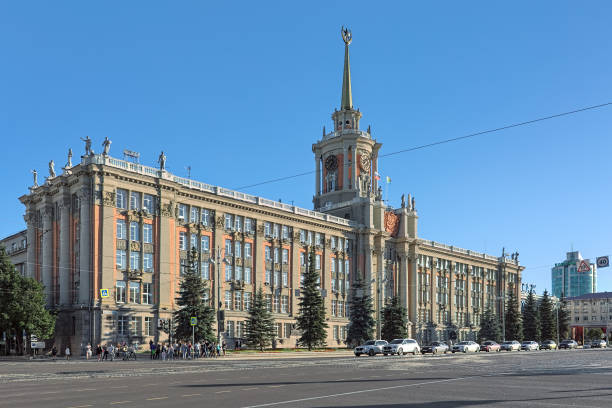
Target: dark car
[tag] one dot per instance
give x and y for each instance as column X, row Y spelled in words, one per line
column 435, row 348
column 598, row 344
column 568, row 344
column 489, row 346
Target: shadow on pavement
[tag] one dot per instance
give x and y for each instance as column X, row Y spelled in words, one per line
column 247, row 384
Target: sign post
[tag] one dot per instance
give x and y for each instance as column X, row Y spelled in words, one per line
column 193, row 321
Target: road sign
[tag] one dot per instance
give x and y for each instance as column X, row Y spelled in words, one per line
column 194, row 320
column 584, row 266
column 603, row 262
column 104, row 293
column 38, row 345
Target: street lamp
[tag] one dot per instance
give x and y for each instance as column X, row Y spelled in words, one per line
column 215, row 259
column 503, row 313
column 379, row 301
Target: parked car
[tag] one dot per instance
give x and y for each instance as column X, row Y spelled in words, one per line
column 548, row 345
column 402, row 347
column 371, row 347
column 598, row 344
column 465, row 346
column 530, row 346
column 435, row 348
column 568, row 344
column 511, row 345
column 490, row 345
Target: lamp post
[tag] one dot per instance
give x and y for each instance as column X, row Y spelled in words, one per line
column 503, row 313
column 215, row 259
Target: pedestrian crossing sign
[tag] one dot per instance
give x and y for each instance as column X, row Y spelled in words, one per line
column 104, row 293
column 194, row 321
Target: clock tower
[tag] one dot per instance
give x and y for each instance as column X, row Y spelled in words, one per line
column 346, row 159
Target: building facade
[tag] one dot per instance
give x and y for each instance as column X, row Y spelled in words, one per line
column 16, row 248
column 114, row 225
column 590, row 311
column 568, row 281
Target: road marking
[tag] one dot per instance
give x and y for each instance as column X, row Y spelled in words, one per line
column 49, row 392
column 156, row 398
column 359, row 392
column 119, row 402
column 248, row 389
column 190, row 395
column 221, row 392
column 85, row 389
column 81, row 406
column 120, row 386
column 275, row 386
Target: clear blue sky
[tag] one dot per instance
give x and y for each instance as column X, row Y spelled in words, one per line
column 247, row 86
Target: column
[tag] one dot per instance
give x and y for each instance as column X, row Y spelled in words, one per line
column 413, row 288
column 47, row 254
column 451, row 293
column 468, row 292
column 64, row 248
column 30, row 245
column 345, row 168
column 85, row 254
column 354, row 168
column 403, row 280
column 318, row 171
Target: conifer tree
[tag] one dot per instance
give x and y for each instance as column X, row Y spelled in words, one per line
column 564, row 319
column 393, row 320
column 361, row 310
column 311, row 317
column 531, row 318
column 548, row 320
column 260, row 329
column 490, row 327
column 514, row 327
column 191, row 302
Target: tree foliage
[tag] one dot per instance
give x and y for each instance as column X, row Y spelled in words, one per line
column 514, row 326
column 260, row 329
column 311, row 318
column 594, row 333
column 531, row 318
column 191, row 302
column 22, row 304
column 490, row 327
column 361, row 311
column 564, row 319
column 393, row 320
column 548, row 320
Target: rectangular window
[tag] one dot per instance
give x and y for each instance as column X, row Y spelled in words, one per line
column 228, row 300
column 302, row 259
column 134, row 231
column 285, row 256
column 237, row 301
column 134, row 292
column 276, row 305
column 228, row 273
column 284, row 304
column 228, row 247
column 230, row 328
column 248, row 225
column 310, row 235
column 184, row 266
column 149, row 326
column 121, row 201
column 267, row 229
column 134, row 201
column 333, row 242
column 193, row 242
column 240, row 329
column 277, row 280
column 182, row 211
column 135, row 325
column 318, row 239
column 147, row 233
column 205, row 216
column 247, row 300
column 120, row 259
column 334, row 308
column 122, row 325
column 183, row 241
column 228, row 221
column 247, row 274
column 285, row 232
column 333, row 285
column 134, row 260
column 205, row 270
column 268, row 255
column 276, row 255
column 317, row 261
column 120, row 291
column 247, row 250
column 276, row 231
column 194, row 214
column 285, row 279
column 147, row 293
column 269, row 302
column 238, row 223
column 148, row 203
column 205, row 243
column 121, row 229
column 288, row 330
column 147, row 262
column 333, row 266
column 238, row 273
column 278, row 329
column 268, row 276
column 238, row 249
column 302, row 236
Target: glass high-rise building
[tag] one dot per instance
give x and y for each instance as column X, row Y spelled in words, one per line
column 567, row 281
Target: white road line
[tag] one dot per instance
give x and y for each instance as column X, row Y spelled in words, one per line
column 221, row 392
column 156, row 398
column 119, row 402
column 359, row 392
column 190, row 395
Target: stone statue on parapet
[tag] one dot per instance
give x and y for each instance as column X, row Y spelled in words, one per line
column 162, row 161
column 403, row 201
column 88, row 151
column 35, row 174
column 51, row 169
column 413, row 205
column 106, row 146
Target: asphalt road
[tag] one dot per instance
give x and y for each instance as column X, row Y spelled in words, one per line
column 580, row 378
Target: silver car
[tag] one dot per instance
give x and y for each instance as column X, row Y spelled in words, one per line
column 530, row 346
column 465, row 346
column 402, row 347
column 511, row 346
column 370, row 347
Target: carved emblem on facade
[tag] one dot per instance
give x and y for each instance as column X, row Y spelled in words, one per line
column 134, row 246
column 392, row 222
column 108, row 198
column 167, row 210
column 219, row 222
column 260, row 230
column 121, row 244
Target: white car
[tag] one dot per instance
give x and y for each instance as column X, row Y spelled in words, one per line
column 530, row 346
column 402, row 347
column 465, row 346
column 370, row 347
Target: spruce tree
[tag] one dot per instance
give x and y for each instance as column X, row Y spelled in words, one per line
column 531, row 318
column 393, row 320
column 490, row 327
column 361, row 310
column 191, row 302
column 564, row 319
column 311, row 317
column 514, row 327
column 22, row 304
column 548, row 320
column 260, row 329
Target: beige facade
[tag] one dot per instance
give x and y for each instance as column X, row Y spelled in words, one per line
column 16, row 248
column 117, row 227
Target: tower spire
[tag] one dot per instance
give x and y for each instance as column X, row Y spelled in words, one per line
column 347, row 96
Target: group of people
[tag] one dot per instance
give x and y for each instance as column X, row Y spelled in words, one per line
column 106, row 352
column 186, row 350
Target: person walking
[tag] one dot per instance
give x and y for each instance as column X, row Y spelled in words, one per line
column 67, row 352
column 88, row 352
column 105, row 353
column 223, row 347
column 170, row 352
column 99, row 352
column 54, row 352
column 111, row 351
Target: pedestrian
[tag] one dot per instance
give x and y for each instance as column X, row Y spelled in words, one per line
column 218, row 349
column 170, row 352
column 157, row 351
column 67, row 352
column 105, row 353
column 54, row 352
column 223, row 347
column 111, row 351
column 99, row 352
column 163, row 352
column 88, row 352
column 152, row 348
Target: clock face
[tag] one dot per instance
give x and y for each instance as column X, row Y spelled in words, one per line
column 365, row 162
column 331, row 163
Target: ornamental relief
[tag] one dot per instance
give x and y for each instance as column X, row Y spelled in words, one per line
column 108, row 198
column 392, row 222
column 121, row 244
column 260, row 230
column 148, row 248
column 134, row 246
column 167, row 210
column 219, row 222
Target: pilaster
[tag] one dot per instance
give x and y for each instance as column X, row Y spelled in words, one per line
column 64, row 261
column 47, row 254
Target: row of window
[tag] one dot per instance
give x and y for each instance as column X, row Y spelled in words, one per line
column 237, row 300
column 137, row 262
column 239, row 223
column 134, row 201
column 237, row 273
column 339, row 308
column 140, row 293
column 132, row 325
column 593, row 318
column 196, row 214
column 136, row 231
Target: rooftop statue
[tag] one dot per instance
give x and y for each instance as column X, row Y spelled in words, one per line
column 88, row 151
column 106, row 146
